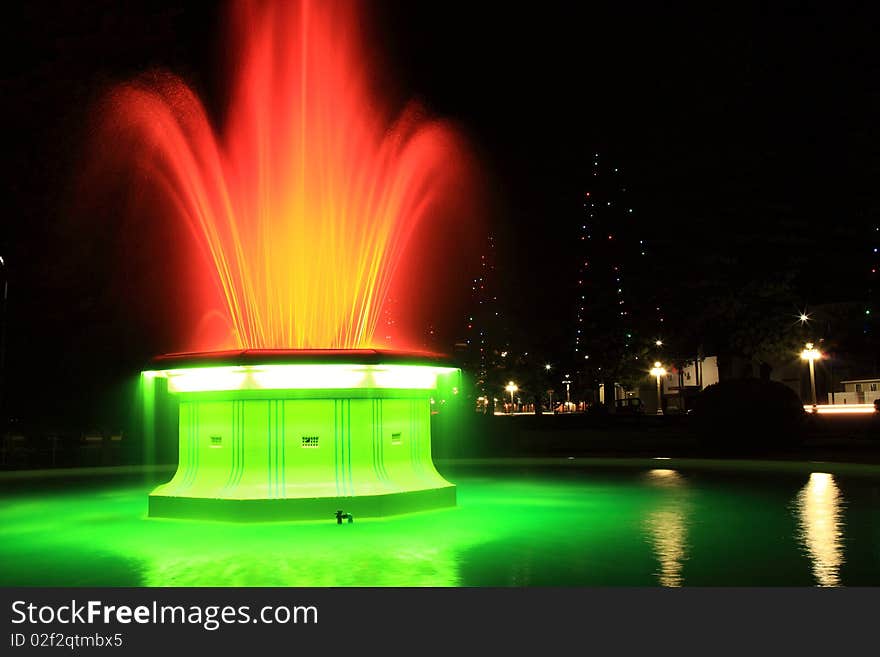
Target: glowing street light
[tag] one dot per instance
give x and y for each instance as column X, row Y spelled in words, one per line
column 548, row 367
column 658, row 343
column 511, row 388
column 658, row 371
column 810, row 354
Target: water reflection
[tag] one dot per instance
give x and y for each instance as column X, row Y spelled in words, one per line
column 820, row 512
column 413, row 565
column 666, row 524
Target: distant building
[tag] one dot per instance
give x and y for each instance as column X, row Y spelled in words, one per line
column 682, row 384
column 698, row 374
column 861, row 391
column 677, row 388
column 615, row 311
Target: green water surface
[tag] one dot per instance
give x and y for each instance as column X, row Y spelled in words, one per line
column 517, row 523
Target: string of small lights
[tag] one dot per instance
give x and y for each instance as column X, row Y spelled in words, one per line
column 872, row 278
column 611, row 255
column 485, row 311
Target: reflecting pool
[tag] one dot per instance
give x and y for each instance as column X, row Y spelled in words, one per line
column 549, row 522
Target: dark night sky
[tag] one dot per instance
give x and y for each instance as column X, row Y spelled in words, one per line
column 734, row 126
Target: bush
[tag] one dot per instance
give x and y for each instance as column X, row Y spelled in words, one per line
column 749, row 414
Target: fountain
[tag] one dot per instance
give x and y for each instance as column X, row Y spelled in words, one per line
column 303, row 434
column 300, row 211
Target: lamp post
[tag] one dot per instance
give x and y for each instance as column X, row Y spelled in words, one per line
column 657, row 371
column 810, row 354
column 567, row 383
column 511, row 388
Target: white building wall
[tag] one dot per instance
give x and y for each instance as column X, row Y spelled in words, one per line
column 709, row 369
column 852, row 397
column 857, row 392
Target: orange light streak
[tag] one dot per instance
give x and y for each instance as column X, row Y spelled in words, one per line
column 841, row 409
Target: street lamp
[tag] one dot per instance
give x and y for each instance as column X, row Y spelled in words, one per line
column 548, row 367
column 810, row 354
column 658, row 371
column 511, row 388
column 567, row 383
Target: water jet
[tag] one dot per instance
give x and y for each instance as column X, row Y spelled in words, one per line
column 300, row 211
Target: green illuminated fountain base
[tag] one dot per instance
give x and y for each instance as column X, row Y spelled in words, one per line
column 317, row 508
column 301, row 441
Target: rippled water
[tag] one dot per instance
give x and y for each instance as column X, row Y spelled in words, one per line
column 518, row 523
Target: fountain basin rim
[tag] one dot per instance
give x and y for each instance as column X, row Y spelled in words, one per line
column 298, row 357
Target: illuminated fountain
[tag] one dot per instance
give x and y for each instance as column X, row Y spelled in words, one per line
column 302, row 434
column 300, row 211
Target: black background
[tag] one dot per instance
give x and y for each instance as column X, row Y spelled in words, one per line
column 735, row 126
column 403, row 621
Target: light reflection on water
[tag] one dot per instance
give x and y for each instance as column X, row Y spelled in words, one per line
column 819, row 507
column 666, row 525
column 424, row 565
column 581, row 527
